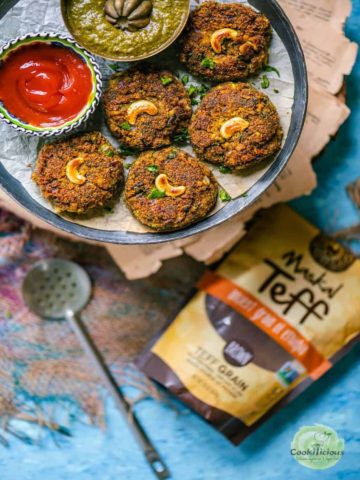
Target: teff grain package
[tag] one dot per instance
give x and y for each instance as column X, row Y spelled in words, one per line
column 274, row 317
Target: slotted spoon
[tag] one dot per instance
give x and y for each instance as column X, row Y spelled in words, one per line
column 57, row 289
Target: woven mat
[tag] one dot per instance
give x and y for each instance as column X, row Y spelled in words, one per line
column 41, row 361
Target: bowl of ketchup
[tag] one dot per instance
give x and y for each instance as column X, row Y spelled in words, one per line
column 49, row 85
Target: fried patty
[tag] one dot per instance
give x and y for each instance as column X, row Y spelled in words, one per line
column 98, row 162
column 150, row 130
column 236, row 57
column 156, row 209
column 253, row 126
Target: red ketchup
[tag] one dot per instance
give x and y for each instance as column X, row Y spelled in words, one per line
column 44, row 85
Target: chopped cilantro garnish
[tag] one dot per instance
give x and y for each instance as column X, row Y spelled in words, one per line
column 152, row 168
column 265, row 82
column 127, row 165
column 185, row 79
column 276, row 90
column 195, row 91
column 269, row 68
column 127, row 152
column 166, row 80
column 208, row 63
column 244, row 194
column 192, row 90
column 155, row 193
column 224, row 196
column 172, row 155
column 110, row 153
column 113, row 66
column 224, row 169
column 203, row 90
column 125, row 126
column 182, row 136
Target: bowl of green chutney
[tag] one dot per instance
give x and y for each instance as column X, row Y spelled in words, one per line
column 125, row 30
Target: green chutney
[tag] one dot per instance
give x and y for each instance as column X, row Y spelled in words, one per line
column 89, row 26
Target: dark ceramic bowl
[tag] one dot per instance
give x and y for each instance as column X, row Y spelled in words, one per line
column 287, row 34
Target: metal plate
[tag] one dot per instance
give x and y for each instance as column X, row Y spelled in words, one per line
column 282, row 25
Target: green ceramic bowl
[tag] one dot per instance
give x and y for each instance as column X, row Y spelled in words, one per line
column 89, row 108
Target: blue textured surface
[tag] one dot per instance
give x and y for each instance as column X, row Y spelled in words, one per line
column 194, row 451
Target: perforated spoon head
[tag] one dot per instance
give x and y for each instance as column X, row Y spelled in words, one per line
column 55, row 288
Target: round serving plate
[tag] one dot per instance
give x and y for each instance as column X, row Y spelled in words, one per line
column 284, row 29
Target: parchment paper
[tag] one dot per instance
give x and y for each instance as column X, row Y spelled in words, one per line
column 18, row 153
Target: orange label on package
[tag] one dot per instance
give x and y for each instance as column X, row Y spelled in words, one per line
column 267, row 320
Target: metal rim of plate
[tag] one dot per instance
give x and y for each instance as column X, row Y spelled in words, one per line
column 283, row 27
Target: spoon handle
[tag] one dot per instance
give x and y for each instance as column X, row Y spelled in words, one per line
column 152, row 456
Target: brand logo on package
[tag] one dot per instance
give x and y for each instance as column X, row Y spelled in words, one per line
column 317, row 447
column 238, row 353
column 330, row 254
